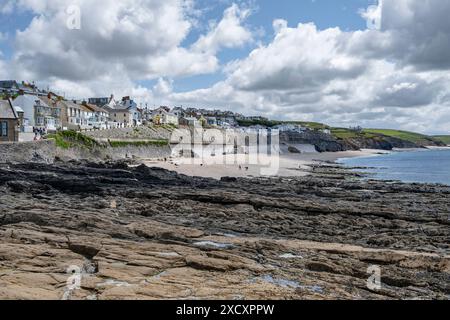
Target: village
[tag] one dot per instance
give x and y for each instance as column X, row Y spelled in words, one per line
column 28, row 113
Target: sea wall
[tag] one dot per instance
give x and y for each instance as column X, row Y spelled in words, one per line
column 34, row 151
column 46, row 151
column 138, row 133
column 117, row 153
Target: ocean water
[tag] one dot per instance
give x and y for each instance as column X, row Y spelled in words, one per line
column 422, row 166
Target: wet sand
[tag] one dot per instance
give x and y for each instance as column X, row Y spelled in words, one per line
column 284, row 165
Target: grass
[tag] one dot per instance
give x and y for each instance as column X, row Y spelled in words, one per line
column 120, row 144
column 444, row 139
column 403, row 135
column 60, row 141
column 273, row 123
column 70, row 139
column 309, row 124
column 380, row 134
column 265, row 123
column 343, row 133
column 6, row 96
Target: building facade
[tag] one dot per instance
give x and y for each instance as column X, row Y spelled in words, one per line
column 9, row 122
column 39, row 112
column 99, row 118
column 121, row 116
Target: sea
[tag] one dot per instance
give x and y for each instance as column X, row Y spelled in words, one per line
column 415, row 166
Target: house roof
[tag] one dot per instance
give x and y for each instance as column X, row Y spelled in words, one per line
column 70, row 104
column 31, row 99
column 49, row 102
column 85, row 108
column 18, row 109
column 95, row 108
column 6, row 110
column 162, row 108
column 120, row 110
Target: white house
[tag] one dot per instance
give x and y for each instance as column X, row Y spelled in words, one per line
column 37, row 113
column 190, row 121
column 99, row 118
column 290, row 127
column 163, row 116
column 170, row 118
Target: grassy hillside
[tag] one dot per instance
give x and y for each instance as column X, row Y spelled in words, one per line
column 444, row 139
column 344, row 133
column 70, row 139
column 266, row 123
column 309, row 124
column 413, row 137
column 273, row 123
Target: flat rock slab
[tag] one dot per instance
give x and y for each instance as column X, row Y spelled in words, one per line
column 143, row 233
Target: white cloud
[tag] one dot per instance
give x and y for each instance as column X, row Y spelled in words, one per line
column 228, row 33
column 116, row 37
column 393, row 77
column 414, row 32
column 163, row 87
column 129, row 39
column 396, row 76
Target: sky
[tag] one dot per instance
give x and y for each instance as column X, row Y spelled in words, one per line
column 372, row 63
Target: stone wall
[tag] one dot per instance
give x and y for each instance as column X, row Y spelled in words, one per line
column 46, row 151
column 35, row 151
column 138, row 133
column 110, row 153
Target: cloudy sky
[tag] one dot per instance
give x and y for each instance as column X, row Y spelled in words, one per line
column 348, row 62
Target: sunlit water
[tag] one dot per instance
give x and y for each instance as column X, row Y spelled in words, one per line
column 422, row 166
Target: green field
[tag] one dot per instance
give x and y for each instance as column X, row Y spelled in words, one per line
column 273, row 123
column 417, row 138
column 309, row 124
column 344, row 133
column 444, row 139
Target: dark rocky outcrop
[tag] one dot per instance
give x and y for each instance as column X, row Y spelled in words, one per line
column 323, row 142
column 328, row 143
column 145, row 233
column 380, row 143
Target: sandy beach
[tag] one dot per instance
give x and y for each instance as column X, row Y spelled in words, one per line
column 284, row 165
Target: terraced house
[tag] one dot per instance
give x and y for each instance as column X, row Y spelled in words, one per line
column 124, row 113
column 39, row 112
column 9, row 122
column 75, row 116
column 99, row 118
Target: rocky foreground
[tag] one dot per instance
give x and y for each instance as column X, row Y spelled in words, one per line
column 141, row 233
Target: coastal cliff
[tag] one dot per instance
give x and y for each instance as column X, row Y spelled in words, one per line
column 345, row 139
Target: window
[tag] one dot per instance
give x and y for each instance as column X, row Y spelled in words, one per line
column 4, row 128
